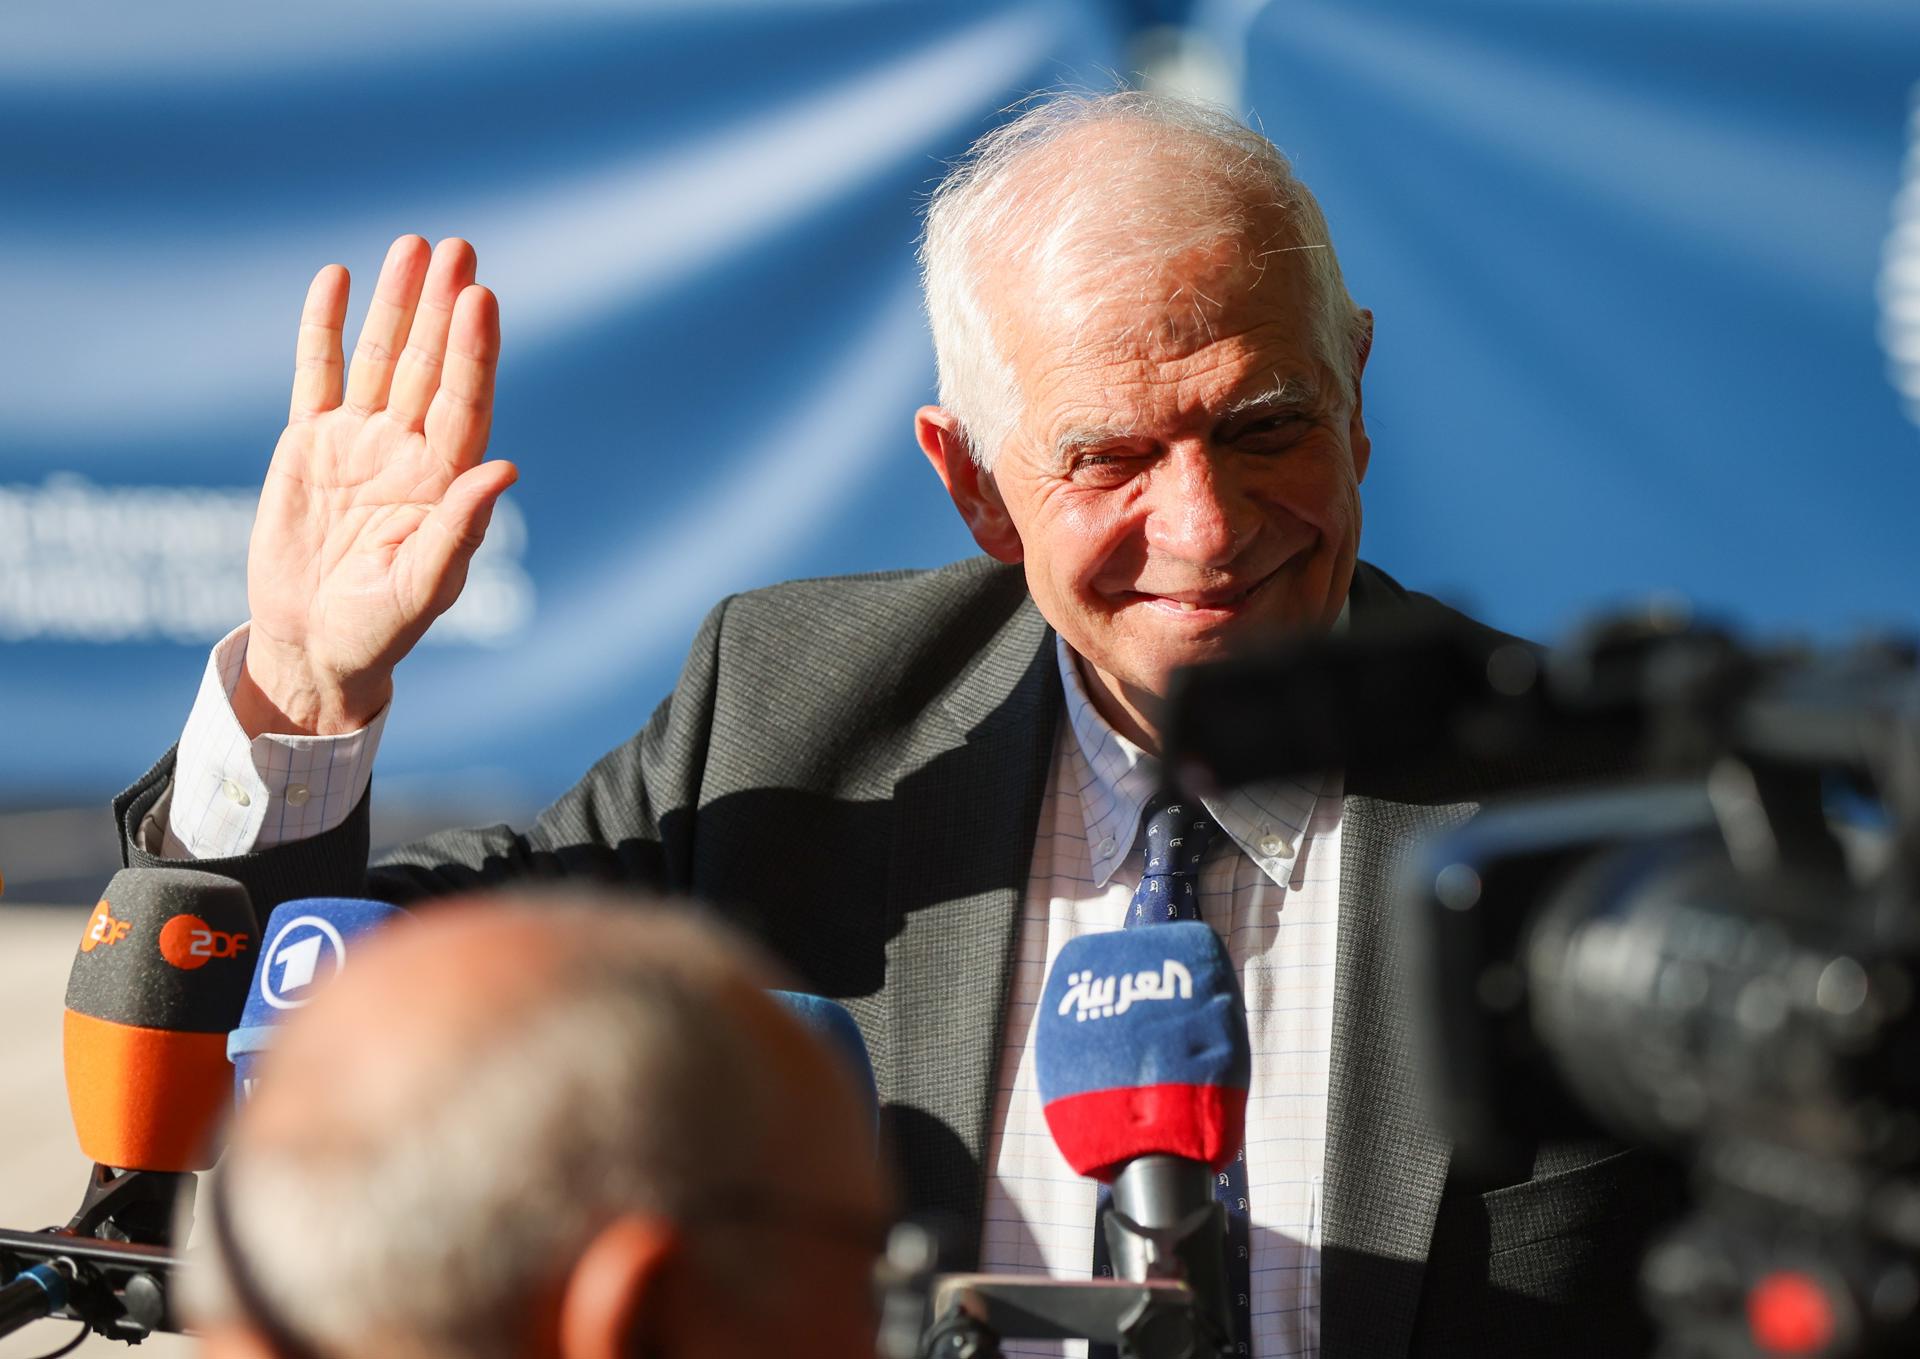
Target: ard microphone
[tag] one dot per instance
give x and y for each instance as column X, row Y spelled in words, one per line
column 160, row 978
column 306, row 945
column 831, row 1023
column 1144, row 1063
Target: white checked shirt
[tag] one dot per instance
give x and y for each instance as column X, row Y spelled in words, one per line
column 1270, row 887
column 231, row 795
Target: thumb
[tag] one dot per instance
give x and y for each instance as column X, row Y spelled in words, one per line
column 453, row 531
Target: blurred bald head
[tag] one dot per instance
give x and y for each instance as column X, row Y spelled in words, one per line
column 546, row 1128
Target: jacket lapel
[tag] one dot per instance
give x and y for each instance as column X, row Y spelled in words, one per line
column 1386, row 1161
column 965, row 807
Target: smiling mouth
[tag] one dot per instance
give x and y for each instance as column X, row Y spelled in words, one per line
column 1223, row 602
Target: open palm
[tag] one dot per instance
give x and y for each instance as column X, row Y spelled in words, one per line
column 377, row 495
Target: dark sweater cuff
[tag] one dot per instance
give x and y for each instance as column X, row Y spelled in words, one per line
column 333, row 863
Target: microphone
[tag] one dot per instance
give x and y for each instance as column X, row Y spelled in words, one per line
column 831, row 1023
column 1144, row 1063
column 1142, row 1049
column 307, row 943
column 160, row 977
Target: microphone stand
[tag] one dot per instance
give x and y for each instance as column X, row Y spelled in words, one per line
column 1165, row 1234
column 112, row 1265
column 1155, row 1319
column 1164, row 1223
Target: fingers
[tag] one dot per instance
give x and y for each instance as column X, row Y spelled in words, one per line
column 316, row 353
column 461, row 414
column 417, row 375
column 389, row 316
column 453, row 530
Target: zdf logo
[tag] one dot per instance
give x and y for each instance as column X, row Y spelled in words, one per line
column 188, row 942
column 102, row 928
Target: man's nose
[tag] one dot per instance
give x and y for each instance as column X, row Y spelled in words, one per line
column 1195, row 512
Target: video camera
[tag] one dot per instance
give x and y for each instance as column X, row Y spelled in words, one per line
column 1707, row 945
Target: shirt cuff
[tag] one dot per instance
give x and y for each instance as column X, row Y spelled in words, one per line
column 232, row 796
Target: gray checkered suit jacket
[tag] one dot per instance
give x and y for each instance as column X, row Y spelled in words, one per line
column 906, row 722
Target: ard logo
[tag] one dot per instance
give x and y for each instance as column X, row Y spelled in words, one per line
column 307, row 950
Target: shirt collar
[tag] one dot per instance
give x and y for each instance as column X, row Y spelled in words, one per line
column 1117, row 780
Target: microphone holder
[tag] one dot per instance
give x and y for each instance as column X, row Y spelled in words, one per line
column 1164, row 1223
column 1167, row 1239
column 1154, row 1319
column 132, row 1205
column 115, row 1254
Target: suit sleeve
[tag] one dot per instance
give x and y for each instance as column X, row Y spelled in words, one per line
column 628, row 822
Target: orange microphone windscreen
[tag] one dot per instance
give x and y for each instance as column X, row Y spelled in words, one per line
column 161, row 976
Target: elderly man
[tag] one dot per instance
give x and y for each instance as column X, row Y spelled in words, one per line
column 916, row 788
column 546, row 1132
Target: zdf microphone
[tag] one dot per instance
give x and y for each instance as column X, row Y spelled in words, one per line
column 160, row 977
column 306, row 944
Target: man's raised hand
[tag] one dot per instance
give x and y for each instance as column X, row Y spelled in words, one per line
column 377, row 495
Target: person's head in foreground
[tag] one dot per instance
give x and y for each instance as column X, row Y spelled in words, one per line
column 1149, row 384
column 546, row 1129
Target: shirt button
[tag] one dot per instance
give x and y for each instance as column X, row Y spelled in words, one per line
column 235, row 793
column 1104, row 848
column 297, row 794
column 1275, row 846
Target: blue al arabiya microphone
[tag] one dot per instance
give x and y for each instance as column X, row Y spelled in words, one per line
column 306, row 944
column 1144, row 1062
column 830, row 1022
column 1142, row 1049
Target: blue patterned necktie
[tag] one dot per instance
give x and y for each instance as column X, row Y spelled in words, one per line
column 1177, row 837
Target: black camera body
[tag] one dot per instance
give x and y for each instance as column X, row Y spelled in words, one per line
column 1713, row 952
column 1599, row 962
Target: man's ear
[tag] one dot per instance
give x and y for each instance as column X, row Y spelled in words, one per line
column 609, row 1303
column 1357, row 426
column 973, row 491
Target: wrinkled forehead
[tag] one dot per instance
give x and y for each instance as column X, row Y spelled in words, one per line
column 1157, row 321
column 1168, row 306
column 1159, row 300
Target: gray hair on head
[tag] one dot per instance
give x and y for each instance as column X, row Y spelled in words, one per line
column 1094, row 211
column 629, row 1087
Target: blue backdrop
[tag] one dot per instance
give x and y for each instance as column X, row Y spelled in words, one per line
column 1631, row 263
column 1643, row 316
column 699, row 219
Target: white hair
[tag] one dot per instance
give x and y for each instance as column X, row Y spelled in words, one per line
column 632, row 1085
column 1095, row 211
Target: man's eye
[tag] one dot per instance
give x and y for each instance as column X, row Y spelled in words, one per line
column 1289, row 424
column 1102, row 466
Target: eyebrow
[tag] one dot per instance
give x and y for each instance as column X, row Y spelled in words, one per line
column 1283, row 395
column 1082, row 437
